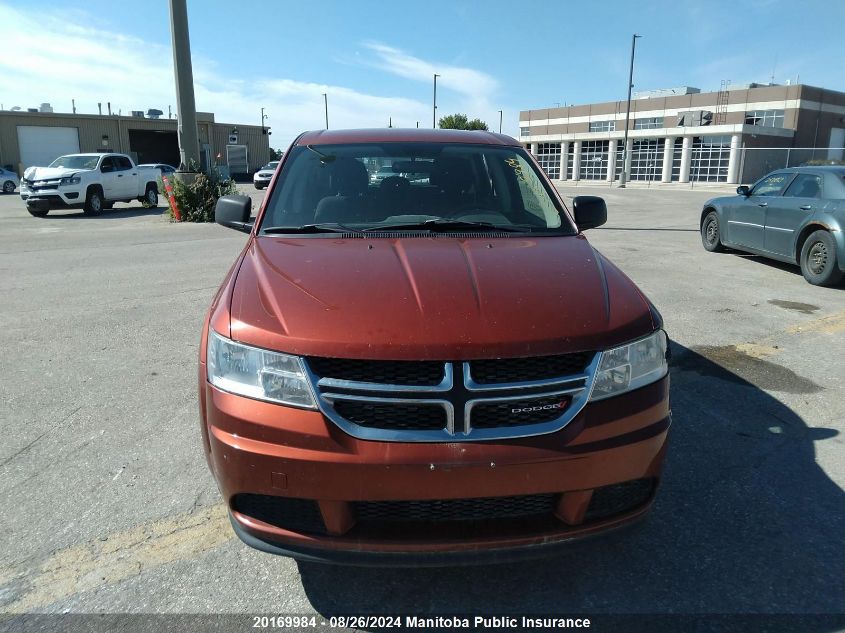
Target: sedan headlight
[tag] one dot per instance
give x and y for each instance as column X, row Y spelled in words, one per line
column 70, row 180
column 257, row 373
column 631, row 366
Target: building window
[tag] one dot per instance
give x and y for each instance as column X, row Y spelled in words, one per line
column 677, row 151
column 548, row 155
column 648, row 123
column 646, row 159
column 523, row 131
column 709, row 158
column 594, row 160
column 602, row 126
column 764, row 118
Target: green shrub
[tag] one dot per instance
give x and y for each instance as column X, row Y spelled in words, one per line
column 196, row 200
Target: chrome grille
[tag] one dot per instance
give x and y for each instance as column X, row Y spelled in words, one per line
column 535, row 368
column 392, row 416
column 406, row 401
column 397, row 372
column 517, row 412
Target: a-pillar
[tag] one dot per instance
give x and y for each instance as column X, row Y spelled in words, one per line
column 576, row 160
column 564, row 159
column 611, row 160
column 733, row 160
column 686, row 159
column 668, row 158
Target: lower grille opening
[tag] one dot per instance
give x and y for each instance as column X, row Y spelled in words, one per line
column 393, row 416
column 480, row 509
column 608, row 501
column 296, row 515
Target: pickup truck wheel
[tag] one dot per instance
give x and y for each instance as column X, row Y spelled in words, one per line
column 711, row 237
column 38, row 212
column 93, row 202
column 151, row 196
column 8, row 186
column 818, row 260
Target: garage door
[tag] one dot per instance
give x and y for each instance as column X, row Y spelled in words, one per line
column 40, row 145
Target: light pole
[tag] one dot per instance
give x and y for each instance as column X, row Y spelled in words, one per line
column 500, row 121
column 434, row 109
column 186, row 109
column 326, row 104
column 623, row 178
column 264, row 117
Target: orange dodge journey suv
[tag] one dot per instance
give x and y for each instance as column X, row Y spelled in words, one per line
column 431, row 367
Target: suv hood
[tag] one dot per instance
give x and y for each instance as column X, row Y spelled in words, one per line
column 49, row 173
column 433, row 298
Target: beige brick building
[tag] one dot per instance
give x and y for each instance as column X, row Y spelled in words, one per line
column 682, row 135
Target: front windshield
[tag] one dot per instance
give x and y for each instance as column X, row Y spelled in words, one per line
column 76, row 162
column 271, row 165
column 418, row 183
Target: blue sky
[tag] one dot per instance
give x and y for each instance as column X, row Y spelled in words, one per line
column 375, row 59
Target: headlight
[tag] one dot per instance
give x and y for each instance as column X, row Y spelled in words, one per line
column 631, row 366
column 257, row 373
column 70, row 180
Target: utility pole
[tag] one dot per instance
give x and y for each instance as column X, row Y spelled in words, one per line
column 500, row 121
column 326, row 104
column 264, row 117
column 186, row 109
column 624, row 177
column 434, row 109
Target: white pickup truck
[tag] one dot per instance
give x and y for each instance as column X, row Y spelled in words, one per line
column 91, row 182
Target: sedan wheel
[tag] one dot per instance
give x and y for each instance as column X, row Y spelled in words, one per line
column 711, row 237
column 8, row 186
column 818, row 260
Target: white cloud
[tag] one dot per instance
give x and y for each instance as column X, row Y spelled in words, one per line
column 59, row 60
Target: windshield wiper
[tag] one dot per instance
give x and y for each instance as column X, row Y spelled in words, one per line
column 324, row 158
column 322, row 227
column 445, row 224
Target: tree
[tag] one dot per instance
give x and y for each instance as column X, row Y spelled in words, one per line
column 460, row 122
column 275, row 154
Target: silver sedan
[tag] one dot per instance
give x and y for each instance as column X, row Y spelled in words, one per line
column 8, row 180
column 794, row 215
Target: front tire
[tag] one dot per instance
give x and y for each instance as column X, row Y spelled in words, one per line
column 38, row 212
column 8, row 187
column 818, row 260
column 711, row 235
column 259, row 187
column 93, row 202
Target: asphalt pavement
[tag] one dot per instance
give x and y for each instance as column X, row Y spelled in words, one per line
column 108, row 505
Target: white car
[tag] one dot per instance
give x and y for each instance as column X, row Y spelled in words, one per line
column 8, row 180
column 91, row 182
column 263, row 176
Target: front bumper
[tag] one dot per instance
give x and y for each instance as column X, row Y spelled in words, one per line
column 58, row 198
column 260, row 450
column 262, row 182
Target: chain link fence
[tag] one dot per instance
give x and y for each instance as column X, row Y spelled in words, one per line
column 756, row 162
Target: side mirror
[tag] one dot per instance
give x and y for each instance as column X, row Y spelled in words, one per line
column 233, row 212
column 590, row 212
column 744, row 190
column 106, row 168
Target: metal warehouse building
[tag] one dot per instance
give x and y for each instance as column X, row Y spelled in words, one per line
column 37, row 138
column 683, row 135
